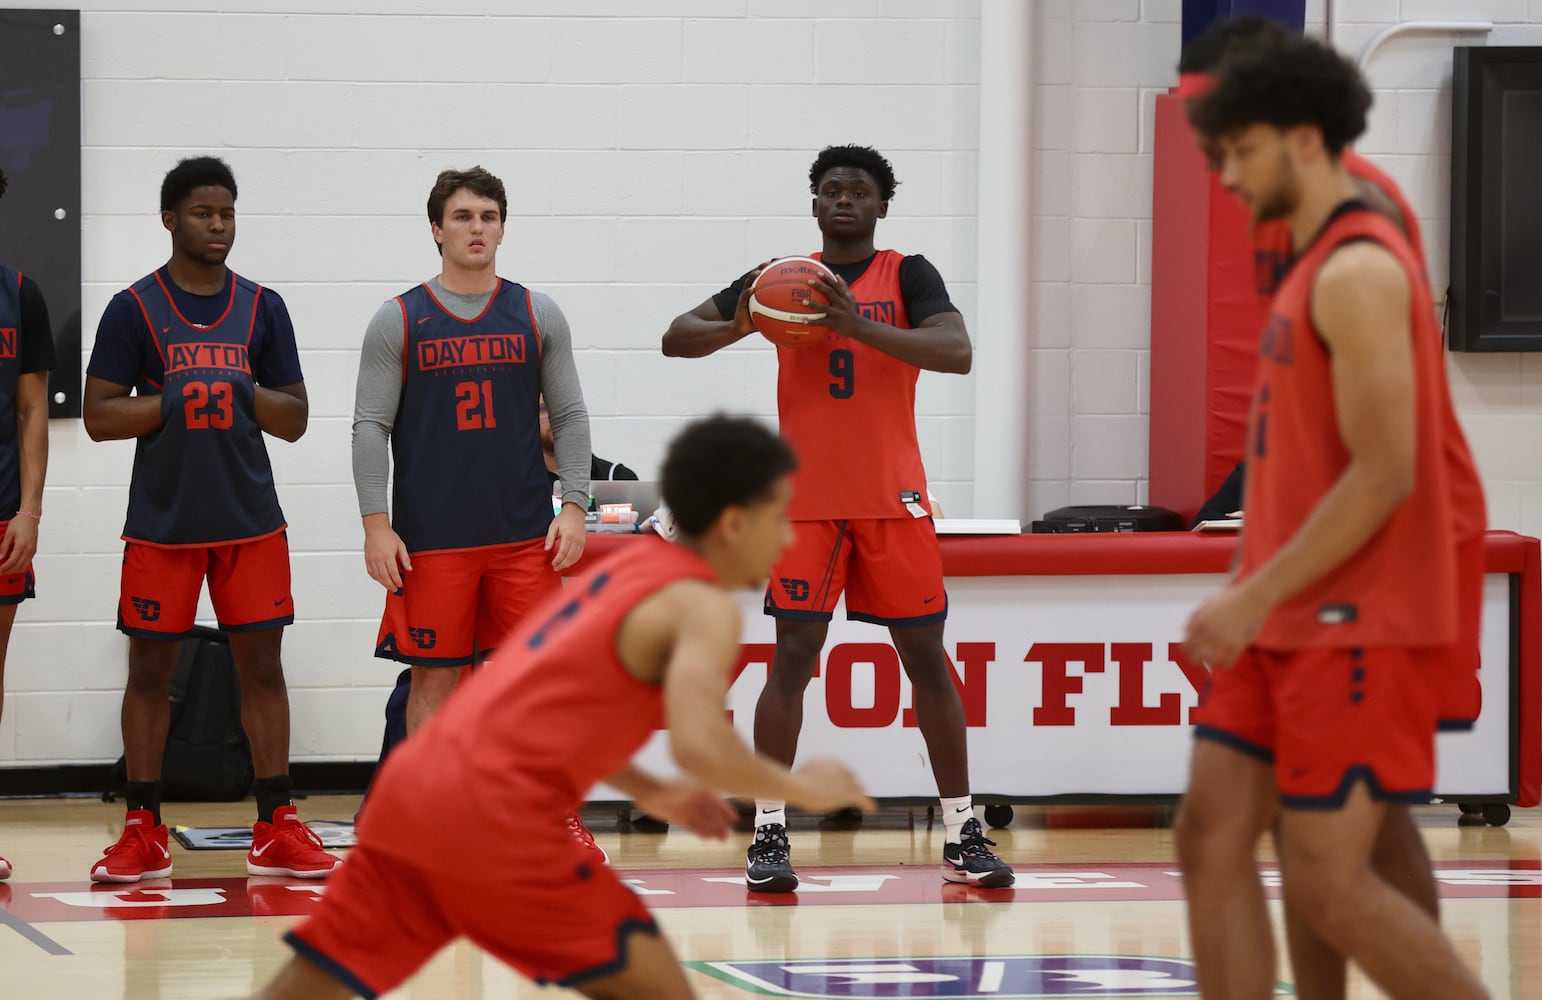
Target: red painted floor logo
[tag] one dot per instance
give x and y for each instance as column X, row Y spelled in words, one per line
column 161, row 899
column 1023, row 977
column 158, row 899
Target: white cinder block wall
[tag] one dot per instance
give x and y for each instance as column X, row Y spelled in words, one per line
column 1099, row 66
column 651, row 151
column 1499, row 396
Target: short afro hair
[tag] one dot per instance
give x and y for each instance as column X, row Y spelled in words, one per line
column 859, row 157
column 195, row 172
column 1297, row 81
column 1229, row 36
column 719, row 462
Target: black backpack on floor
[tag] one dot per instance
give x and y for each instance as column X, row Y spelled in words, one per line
column 207, row 757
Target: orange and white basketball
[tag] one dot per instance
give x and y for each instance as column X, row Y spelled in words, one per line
column 786, row 309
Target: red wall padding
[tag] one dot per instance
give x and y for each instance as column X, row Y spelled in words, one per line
column 1204, row 320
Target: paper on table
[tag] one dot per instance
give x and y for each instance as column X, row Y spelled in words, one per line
column 978, row 526
column 1231, row 522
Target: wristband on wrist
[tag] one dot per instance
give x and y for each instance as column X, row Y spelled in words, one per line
column 32, row 514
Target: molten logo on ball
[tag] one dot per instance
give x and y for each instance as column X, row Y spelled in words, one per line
column 785, row 308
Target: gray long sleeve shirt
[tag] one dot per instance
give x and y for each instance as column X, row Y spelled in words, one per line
column 380, row 388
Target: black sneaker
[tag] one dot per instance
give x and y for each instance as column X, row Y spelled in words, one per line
column 972, row 862
column 768, row 866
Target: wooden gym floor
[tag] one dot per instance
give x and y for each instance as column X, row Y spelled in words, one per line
column 873, row 919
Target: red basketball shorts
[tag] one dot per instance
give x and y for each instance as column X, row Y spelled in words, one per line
column 1459, row 692
column 455, row 606
column 890, row 570
column 550, row 915
column 20, row 585
column 248, row 585
column 1327, row 718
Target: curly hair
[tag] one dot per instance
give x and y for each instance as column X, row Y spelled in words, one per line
column 1228, row 36
column 719, row 462
column 858, row 157
column 1296, row 81
column 195, row 172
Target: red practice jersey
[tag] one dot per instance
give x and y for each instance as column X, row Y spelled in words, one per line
column 1399, row 589
column 1272, row 256
column 550, row 714
column 849, row 411
column 1273, row 245
column 1362, row 169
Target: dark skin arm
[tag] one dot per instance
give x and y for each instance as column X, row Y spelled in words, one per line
column 19, row 543
column 283, row 411
column 939, row 344
column 702, row 331
column 110, row 413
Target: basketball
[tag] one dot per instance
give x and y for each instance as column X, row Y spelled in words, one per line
column 784, row 307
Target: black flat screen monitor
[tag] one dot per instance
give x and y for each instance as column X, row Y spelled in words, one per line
column 1496, row 200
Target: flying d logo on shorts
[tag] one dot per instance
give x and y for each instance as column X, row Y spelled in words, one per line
column 796, row 590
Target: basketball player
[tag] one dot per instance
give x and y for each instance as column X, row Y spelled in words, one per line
column 645, row 638
column 196, row 363
column 1343, row 606
column 26, row 358
column 1215, row 836
column 450, row 382
column 848, row 406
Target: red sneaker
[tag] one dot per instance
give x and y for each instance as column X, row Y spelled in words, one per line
column 584, row 836
column 5, row 869
column 288, row 847
column 140, row 853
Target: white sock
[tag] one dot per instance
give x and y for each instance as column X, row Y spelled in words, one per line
column 955, row 813
column 767, row 812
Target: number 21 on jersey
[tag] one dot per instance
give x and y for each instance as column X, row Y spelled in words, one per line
column 474, row 406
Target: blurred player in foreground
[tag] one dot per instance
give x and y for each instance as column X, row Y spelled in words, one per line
column 644, row 639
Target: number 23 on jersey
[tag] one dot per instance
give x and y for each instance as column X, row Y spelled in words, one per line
column 208, row 405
